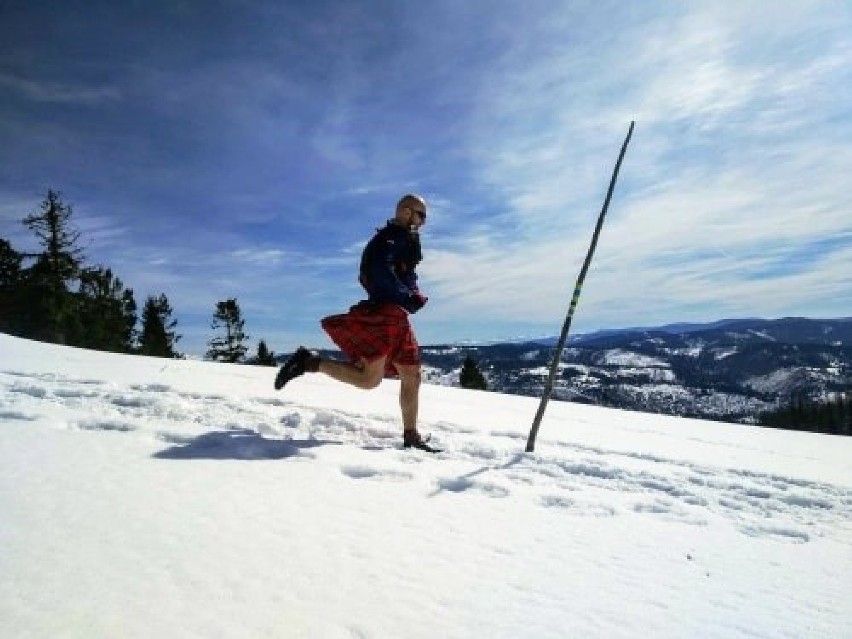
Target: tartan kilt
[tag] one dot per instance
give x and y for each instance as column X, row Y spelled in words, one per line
column 369, row 331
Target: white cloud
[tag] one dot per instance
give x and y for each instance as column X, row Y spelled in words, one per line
column 734, row 170
column 59, row 92
column 258, row 257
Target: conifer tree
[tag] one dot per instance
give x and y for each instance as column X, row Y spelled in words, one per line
column 826, row 416
column 157, row 337
column 229, row 348
column 471, row 376
column 107, row 311
column 10, row 288
column 56, row 268
column 10, row 264
column 265, row 357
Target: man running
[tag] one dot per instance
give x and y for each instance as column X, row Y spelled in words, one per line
column 375, row 334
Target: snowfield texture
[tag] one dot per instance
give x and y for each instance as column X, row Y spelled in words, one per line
column 143, row 497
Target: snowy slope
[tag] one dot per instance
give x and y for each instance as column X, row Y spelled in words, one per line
column 154, row 498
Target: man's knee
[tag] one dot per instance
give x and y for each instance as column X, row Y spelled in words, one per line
column 372, row 374
column 369, row 382
column 409, row 374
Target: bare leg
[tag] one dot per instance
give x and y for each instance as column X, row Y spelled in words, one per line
column 409, row 393
column 364, row 375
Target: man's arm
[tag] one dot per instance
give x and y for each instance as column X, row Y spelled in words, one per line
column 388, row 284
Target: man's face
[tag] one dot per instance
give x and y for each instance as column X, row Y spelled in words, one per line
column 417, row 216
column 413, row 216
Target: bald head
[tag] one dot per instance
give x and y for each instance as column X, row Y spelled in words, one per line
column 411, row 211
column 411, row 201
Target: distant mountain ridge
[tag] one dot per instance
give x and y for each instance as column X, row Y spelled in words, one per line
column 731, row 369
column 681, row 328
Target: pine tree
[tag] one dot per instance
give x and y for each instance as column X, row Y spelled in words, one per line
column 10, row 265
column 56, row 268
column 10, row 288
column 827, row 416
column 158, row 337
column 265, row 357
column 471, row 376
column 229, row 348
column 107, row 311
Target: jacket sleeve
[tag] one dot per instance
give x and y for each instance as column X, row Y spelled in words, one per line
column 386, row 284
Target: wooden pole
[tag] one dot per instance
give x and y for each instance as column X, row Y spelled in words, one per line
column 557, row 354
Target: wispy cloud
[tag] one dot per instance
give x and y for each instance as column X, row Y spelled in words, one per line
column 733, row 171
column 265, row 257
column 58, row 92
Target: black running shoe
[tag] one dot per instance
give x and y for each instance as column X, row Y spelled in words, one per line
column 412, row 439
column 301, row 361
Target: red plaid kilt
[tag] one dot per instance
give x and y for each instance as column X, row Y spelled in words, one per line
column 370, row 331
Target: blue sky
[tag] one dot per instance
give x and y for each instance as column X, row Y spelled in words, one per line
column 230, row 148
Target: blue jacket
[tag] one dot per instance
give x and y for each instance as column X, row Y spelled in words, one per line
column 388, row 266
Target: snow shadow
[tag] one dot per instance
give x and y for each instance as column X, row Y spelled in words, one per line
column 240, row 444
column 469, row 481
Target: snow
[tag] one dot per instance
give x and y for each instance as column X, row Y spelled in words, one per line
column 433, row 375
column 782, row 380
column 762, row 334
column 619, row 357
column 143, row 497
column 691, row 351
column 451, row 350
column 724, row 354
column 544, row 371
column 653, row 374
column 775, row 381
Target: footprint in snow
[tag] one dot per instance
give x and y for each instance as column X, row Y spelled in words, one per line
column 465, row 484
column 508, row 434
column 450, row 427
column 204, row 397
column 556, row 501
column 104, row 425
column 152, row 388
column 75, row 393
column 580, row 509
column 781, row 533
column 265, row 401
column 18, row 416
column 129, row 401
column 39, row 392
column 367, row 472
column 656, row 507
column 292, row 420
